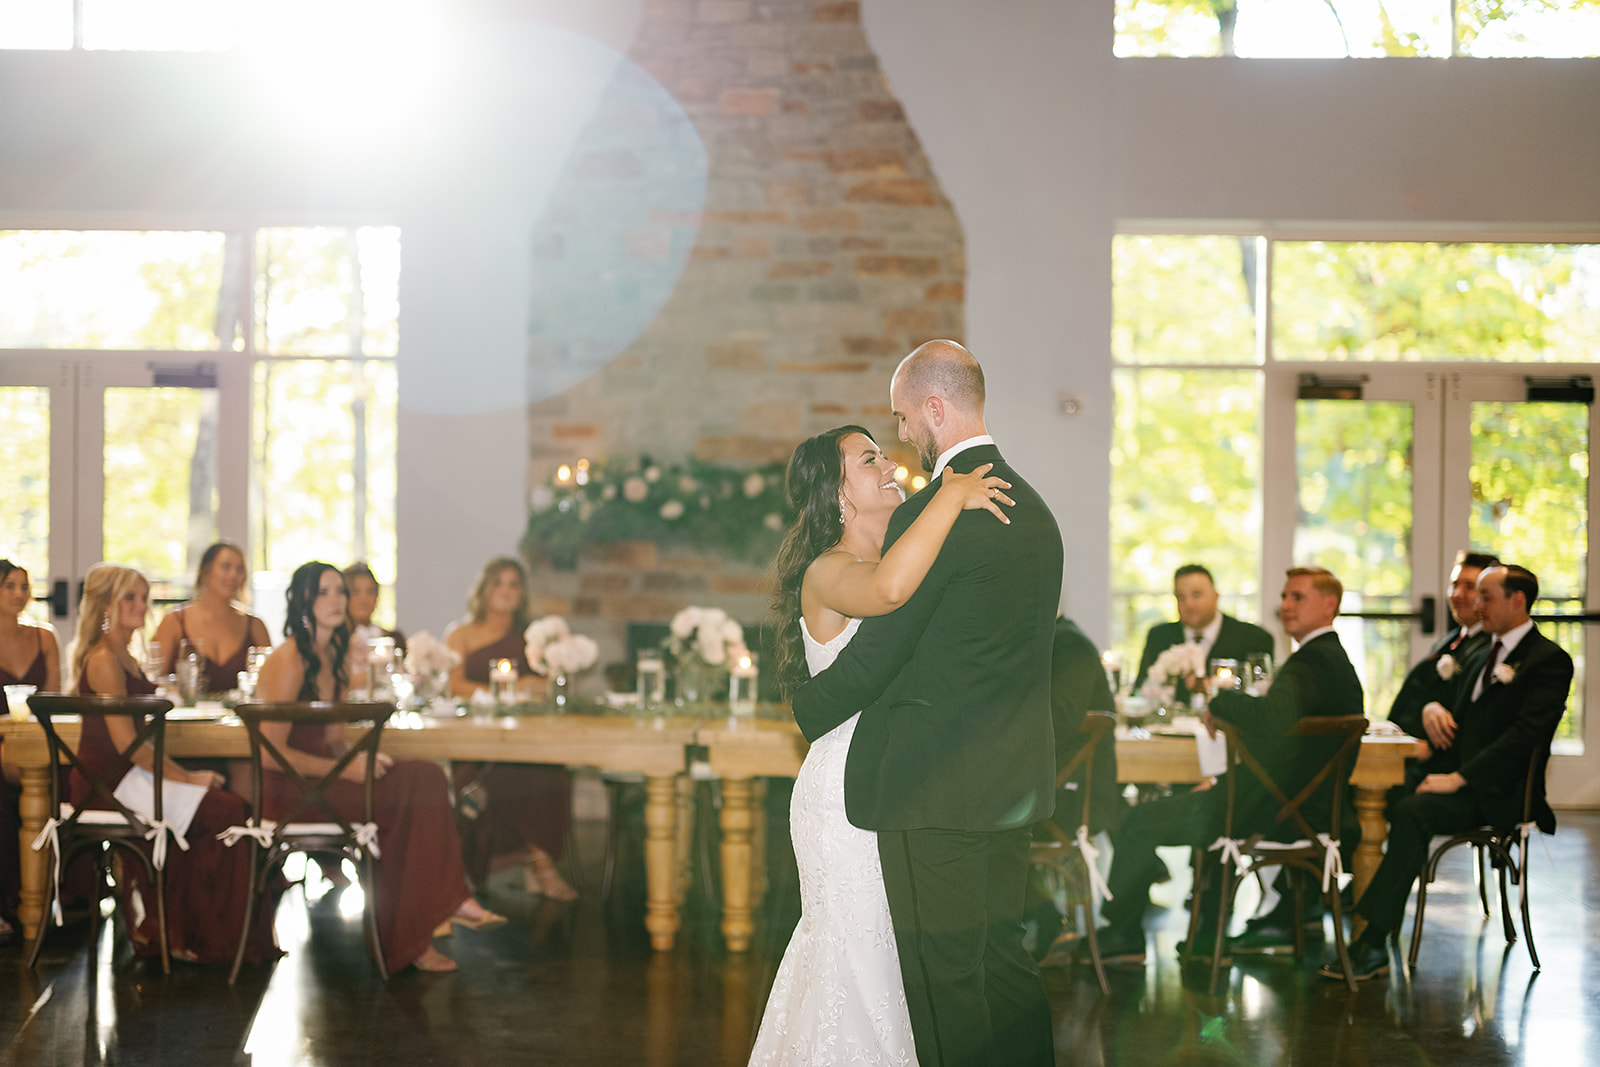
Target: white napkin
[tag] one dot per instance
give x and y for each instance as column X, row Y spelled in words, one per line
column 1212, row 751
column 179, row 800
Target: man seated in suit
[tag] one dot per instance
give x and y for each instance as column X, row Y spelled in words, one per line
column 1317, row 679
column 1434, row 678
column 1199, row 622
column 1499, row 716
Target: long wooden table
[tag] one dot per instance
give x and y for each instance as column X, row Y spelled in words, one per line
column 741, row 750
column 654, row 748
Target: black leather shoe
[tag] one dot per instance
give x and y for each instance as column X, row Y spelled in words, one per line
column 1204, row 941
column 1367, row 961
column 1116, row 946
column 1264, row 940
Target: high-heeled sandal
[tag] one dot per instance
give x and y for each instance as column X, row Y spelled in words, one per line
column 434, row 962
column 486, row 921
column 540, row 878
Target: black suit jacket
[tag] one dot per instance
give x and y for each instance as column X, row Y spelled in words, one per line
column 1509, row 722
column 1078, row 686
column 954, row 687
column 1236, row 640
column 1318, row 679
column 1424, row 686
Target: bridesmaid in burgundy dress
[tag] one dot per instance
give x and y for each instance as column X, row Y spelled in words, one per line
column 207, row 884
column 213, row 622
column 529, row 804
column 28, row 656
column 421, row 886
column 363, row 587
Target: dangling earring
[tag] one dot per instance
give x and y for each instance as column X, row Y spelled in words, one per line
column 305, row 620
column 105, row 623
column 841, row 511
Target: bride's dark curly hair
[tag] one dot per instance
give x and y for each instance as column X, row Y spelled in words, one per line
column 815, row 472
column 301, row 627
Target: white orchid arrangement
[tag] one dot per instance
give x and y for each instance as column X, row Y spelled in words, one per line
column 707, row 633
column 426, row 654
column 1170, row 667
column 553, row 649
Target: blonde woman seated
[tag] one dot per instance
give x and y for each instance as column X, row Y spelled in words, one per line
column 522, row 810
column 212, row 621
column 208, row 883
column 421, row 888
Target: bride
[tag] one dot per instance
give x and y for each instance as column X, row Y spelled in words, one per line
column 838, row 996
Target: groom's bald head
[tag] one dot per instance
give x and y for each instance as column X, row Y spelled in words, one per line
column 937, row 395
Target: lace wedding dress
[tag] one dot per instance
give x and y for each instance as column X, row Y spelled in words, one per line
column 838, row 997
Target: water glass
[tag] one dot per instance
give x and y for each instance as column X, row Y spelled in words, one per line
column 652, row 672
column 1258, row 673
column 152, row 660
column 17, row 700
column 1111, row 660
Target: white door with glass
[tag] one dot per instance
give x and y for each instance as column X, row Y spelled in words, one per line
column 1384, row 472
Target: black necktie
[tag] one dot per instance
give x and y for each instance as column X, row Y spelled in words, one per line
column 1488, row 667
column 1197, row 638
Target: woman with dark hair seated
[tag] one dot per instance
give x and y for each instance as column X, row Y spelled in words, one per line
column 421, row 886
column 29, row 655
column 207, row 883
column 213, row 622
column 363, row 587
column 520, row 810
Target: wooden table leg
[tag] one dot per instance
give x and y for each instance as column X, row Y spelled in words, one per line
column 758, row 839
column 1374, row 832
column 736, row 819
column 660, row 859
column 34, row 808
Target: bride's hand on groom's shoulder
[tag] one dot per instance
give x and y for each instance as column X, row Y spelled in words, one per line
column 978, row 490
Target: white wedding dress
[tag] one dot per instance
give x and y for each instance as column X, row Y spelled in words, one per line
column 838, row 997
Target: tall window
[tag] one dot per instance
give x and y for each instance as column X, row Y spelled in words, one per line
column 1291, row 29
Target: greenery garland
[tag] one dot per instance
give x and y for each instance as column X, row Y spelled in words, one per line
column 735, row 513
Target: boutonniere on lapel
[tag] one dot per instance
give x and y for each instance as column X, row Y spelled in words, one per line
column 1447, row 667
column 1504, row 672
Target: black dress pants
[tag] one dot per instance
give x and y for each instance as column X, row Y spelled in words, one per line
column 1191, row 819
column 1413, row 822
column 974, row 994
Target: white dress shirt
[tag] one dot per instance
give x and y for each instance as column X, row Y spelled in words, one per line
column 960, row 446
column 1207, row 636
column 1508, row 641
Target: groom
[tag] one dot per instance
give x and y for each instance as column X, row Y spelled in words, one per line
column 953, row 758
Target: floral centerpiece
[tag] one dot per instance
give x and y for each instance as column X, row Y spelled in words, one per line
column 556, row 652
column 702, row 643
column 1172, row 666
column 431, row 660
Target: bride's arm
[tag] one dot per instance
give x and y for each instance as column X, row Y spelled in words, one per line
column 859, row 589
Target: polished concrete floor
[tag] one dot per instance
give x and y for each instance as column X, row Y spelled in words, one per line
column 578, row 984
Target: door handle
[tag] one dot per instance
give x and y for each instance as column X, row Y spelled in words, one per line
column 1430, row 615
column 58, row 598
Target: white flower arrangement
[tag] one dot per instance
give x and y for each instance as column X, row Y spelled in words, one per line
column 1172, row 666
column 1504, row 673
column 553, row 648
column 426, row 654
column 708, row 633
column 1447, row 667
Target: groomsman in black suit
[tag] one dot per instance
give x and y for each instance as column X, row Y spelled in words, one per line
column 1419, row 707
column 1503, row 713
column 953, row 758
column 1318, row 679
column 1199, row 622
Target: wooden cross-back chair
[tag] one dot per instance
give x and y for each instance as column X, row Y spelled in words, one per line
column 1081, row 874
column 76, row 828
column 1495, row 844
column 1314, row 851
column 314, row 823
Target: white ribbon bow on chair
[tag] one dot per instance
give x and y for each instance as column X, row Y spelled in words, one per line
column 1230, row 852
column 1332, row 861
column 367, row 838
column 261, row 835
column 1097, row 884
column 159, row 829
column 48, row 836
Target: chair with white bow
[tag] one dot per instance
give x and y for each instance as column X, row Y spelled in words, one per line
column 1312, row 849
column 1074, row 856
column 1494, row 843
column 314, row 824
column 103, row 824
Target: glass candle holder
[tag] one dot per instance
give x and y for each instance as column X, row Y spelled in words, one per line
column 742, row 676
column 652, row 675
column 503, row 681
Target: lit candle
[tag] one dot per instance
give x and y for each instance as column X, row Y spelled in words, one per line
column 742, row 684
column 503, row 681
column 1224, row 678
